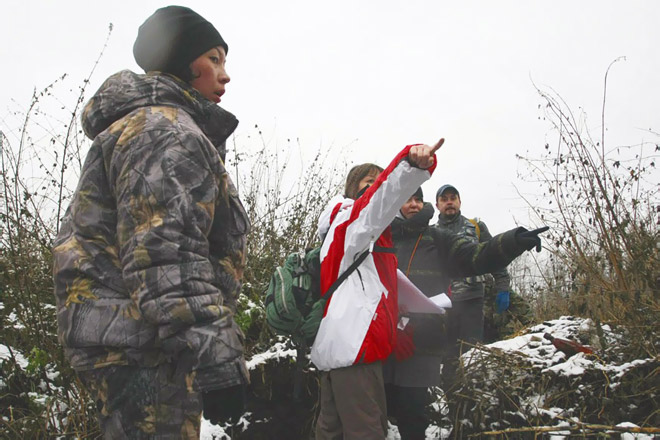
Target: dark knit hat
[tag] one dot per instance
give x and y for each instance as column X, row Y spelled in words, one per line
column 172, row 38
column 419, row 194
column 444, row 188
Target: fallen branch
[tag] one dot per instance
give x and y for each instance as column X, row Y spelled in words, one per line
column 578, row 427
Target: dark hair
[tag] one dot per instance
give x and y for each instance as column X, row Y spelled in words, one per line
column 355, row 175
column 186, row 74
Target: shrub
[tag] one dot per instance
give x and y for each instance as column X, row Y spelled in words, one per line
column 602, row 205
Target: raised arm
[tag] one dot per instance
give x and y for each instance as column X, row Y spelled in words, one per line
column 377, row 207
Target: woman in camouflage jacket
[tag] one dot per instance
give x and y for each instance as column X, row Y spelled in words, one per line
column 150, row 255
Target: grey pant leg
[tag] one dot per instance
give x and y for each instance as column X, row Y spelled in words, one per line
column 471, row 321
column 328, row 425
column 465, row 325
column 353, row 406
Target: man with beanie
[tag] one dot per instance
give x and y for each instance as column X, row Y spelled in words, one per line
column 430, row 257
column 150, row 254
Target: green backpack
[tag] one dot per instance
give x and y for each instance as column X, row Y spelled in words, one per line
column 294, row 306
column 293, row 299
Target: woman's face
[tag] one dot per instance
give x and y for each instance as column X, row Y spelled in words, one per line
column 412, row 206
column 209, row 75
column 368, row 180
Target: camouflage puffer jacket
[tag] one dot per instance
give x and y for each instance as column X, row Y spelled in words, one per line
column 149, row 258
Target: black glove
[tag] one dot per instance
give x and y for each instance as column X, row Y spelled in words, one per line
column 530, row 239
column 225, row 404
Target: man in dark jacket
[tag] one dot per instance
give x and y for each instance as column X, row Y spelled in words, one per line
column 465, row 321
column 429, row 257
column 467, row 294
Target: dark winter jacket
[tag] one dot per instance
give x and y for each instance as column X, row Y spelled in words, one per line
column 471, row 287
column 430, row 257
column 150, row 255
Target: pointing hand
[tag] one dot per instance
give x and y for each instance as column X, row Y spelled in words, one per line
column 423, row 156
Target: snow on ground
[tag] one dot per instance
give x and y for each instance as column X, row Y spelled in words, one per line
column 531, row 345
column 277, row 351
column 631, row 436
column 6, row 353
column 542, row 353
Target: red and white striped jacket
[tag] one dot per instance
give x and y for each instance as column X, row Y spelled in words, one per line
column 359, row 324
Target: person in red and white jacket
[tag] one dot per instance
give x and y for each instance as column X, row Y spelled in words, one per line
column 358, row 329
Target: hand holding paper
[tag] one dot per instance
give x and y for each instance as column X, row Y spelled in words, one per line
column 414, row 301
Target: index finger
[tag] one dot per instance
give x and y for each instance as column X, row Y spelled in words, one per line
column 540, row 230
column 437, row 146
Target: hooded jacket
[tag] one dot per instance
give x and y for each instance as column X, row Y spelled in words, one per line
column 151, row 251
column 360, row 318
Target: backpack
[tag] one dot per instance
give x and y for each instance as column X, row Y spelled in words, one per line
column 293, row 298
column 294, row 306
column 293, row 302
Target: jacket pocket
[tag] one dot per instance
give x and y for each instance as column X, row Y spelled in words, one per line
column 105, row 322
column 230, row 215
column 240, row 223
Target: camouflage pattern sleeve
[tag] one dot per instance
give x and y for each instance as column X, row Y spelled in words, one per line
column 460, row 257
column 502, row 279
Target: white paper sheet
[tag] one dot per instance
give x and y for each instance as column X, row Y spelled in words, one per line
column 441, row 300
column 413, row 300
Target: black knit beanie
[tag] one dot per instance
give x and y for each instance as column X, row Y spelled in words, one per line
column 172, row 38
column 419, row 194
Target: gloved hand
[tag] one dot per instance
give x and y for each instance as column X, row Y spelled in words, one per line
column 224, row 405
column 502, row 301
column 530, row 239
column 405, row 347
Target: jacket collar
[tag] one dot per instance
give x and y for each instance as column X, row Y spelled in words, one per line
column 126, row 91
column 448, row 219
column 415, row 224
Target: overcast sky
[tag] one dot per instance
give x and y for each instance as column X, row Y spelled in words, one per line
column 369, row 77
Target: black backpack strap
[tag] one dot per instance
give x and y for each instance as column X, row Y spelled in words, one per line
column 354, row 266
column 384, row 250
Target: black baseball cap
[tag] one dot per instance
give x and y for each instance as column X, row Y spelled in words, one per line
column 445, row 188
